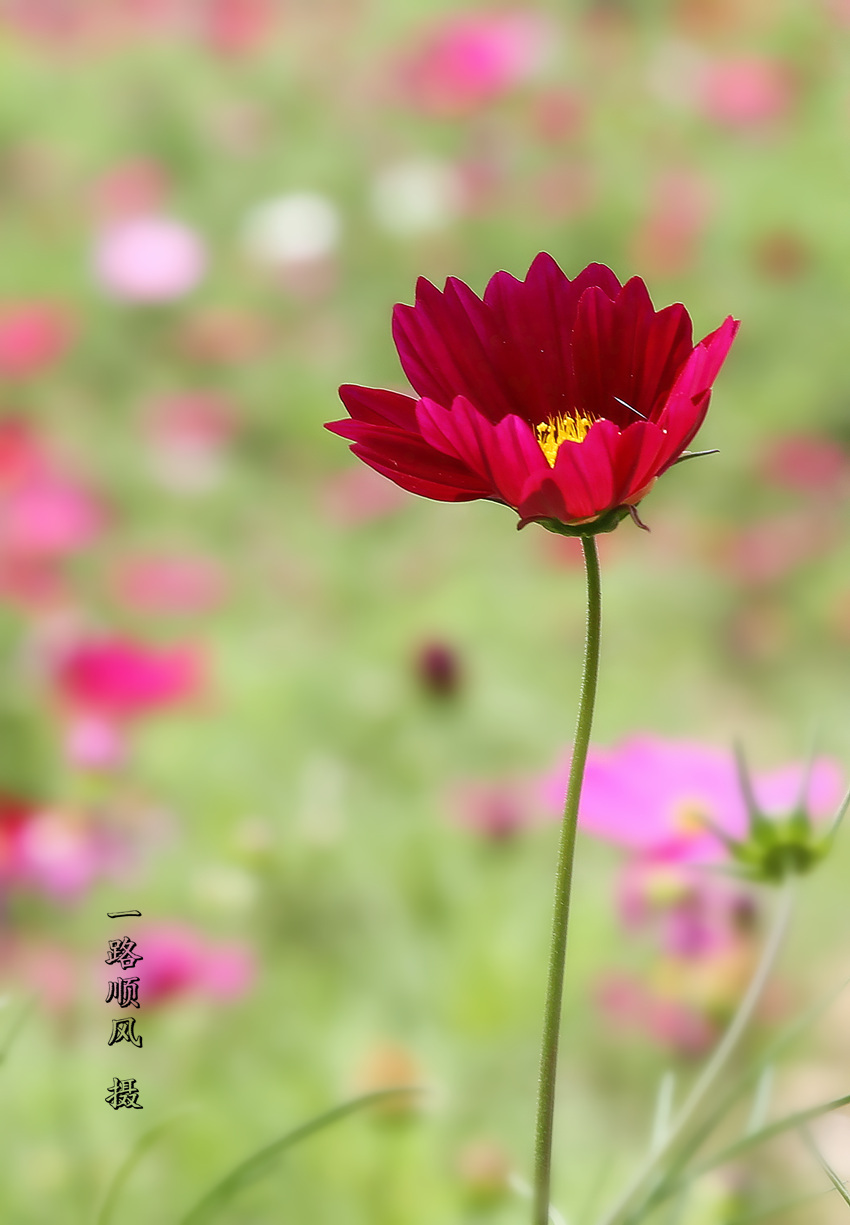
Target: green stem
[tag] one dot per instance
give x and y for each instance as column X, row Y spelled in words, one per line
column 563, row 881
column 625, row 1212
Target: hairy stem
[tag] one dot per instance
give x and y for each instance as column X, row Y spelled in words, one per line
column 563, row 882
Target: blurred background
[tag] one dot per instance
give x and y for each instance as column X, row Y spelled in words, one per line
column 304, row 721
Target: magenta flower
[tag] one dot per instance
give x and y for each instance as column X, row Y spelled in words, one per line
column 653, row 796
column 177, row 960
column 562, row 399
column 33, row 335
column 149, row 259
column 469, row 60
column 53, row 852
column 747, row 91
column 120, row 678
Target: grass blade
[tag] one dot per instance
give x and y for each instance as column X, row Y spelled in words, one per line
column 15, row 1028
column 262, row 1162
column 126, row 1168
column 776, row 1048
column 826, row 1167
column 731, row 1151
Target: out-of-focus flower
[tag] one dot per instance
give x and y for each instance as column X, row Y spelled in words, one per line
column 652, row 795
column 389, row 1065
column 62, row 853
column 359, row 495
column 668, row 240
column 767, row 550
column 484, row 1170
column 170, row 583
column 562, row 399
column 745, row 91
column 438, row 669
column 417, row 196
column 33, row 336
column 120, row 678
column 627, row 1003
column 559, row 115
column 223, row 336
column 692, row 912
column 467, row 61
column 45, row 515
column 806, row 463
column 496, row 809
column 178, row 960
column 95, row 743
column 149, row 259
column 132, row 188
column 237, row 27
column 782, row 255
column 51, row 851
column 298, row 228
column 190, row 433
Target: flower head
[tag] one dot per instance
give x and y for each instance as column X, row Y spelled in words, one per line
column 120, row 678
column 149, row 259
column 681, row 800
column 562, row 399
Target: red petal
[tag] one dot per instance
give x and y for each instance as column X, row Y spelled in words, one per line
column 538, row 314
column 637, row 457
column 504, row 454
column 441, row 490
column 448, row 346
column 378, row 406
column 624, row 350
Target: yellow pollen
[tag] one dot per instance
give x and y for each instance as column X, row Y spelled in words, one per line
column 564, row 427
column 689, row 819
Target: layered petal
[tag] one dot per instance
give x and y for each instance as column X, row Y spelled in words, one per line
column 502, row 455
column 563, row 398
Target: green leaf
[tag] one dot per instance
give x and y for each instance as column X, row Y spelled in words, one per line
column 263, row 1161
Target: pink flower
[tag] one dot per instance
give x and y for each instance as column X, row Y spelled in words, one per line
column 630, row 1005
column 469, row 60
column 237, row 27
column 652, row 795
column 177, row 960
column 747, row 91
column 667, row 242
column 359, row 495
column 170, row 583
column 693, row 913
column 190, row 432
column 33, row 335
column 62, row 854
column 44, row 513
column 132, row 188
column 497, row 809
column 47, row 517
column 806, row 464
column 764, row 551
column 122, row 679
column 54, row 852
column 95, row 743
column 149, row 259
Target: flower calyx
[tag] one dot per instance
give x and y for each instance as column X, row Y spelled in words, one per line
column 777, row 847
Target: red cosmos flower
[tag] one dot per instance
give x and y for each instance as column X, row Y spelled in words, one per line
column 563, row 399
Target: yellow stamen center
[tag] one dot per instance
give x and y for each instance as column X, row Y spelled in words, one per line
column 564, row 427
column 689, row 819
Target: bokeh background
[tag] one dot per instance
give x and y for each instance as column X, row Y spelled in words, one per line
column 299, row 718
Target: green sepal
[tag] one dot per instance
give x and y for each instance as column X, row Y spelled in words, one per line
column 605, row 523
